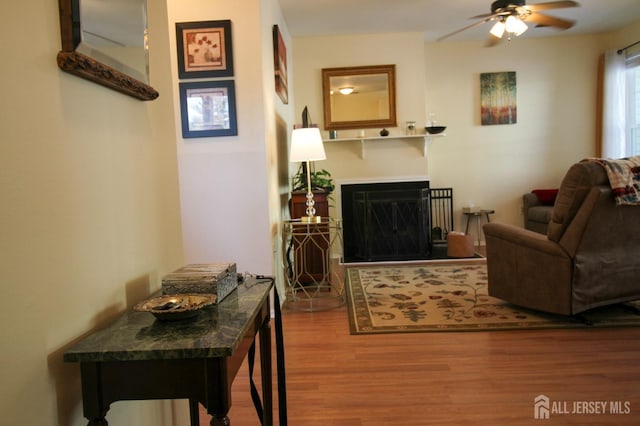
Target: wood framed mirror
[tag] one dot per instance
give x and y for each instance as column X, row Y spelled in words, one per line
column 359, row 97
column 109, row 46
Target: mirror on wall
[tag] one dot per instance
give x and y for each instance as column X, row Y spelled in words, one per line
column 105, row 41
column 359, row 97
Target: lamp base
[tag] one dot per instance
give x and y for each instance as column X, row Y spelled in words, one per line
column 311, row 219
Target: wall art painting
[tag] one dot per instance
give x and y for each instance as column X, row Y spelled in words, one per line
column 498, row 98
column 208, row 109
column 280, row 65
column 204, row 49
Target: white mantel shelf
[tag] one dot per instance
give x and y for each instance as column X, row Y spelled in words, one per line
column 422, row 138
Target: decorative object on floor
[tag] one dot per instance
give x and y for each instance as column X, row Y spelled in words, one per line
column 498, row 98
column 177, row 307
column 460, row 244
column 204, row 49
column 208, row 109
column 280, row 65
column 451, row 296
column 306, row 146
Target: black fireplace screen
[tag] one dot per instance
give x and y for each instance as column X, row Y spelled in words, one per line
column 394, row 220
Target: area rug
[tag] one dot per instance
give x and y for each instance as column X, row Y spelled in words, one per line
column 451, row 297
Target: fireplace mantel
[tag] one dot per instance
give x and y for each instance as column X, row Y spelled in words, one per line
column 423, row 140
column 383, row 179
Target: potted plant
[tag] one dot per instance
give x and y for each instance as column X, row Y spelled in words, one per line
column 320, row 180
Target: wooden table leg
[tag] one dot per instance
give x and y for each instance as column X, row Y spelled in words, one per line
column 219, row 421
column 265, row 369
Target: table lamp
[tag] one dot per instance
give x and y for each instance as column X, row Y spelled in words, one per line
column 306, row 146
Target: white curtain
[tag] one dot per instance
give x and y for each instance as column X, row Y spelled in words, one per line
column 614, row 106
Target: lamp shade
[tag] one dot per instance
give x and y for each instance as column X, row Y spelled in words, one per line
column 306, row 145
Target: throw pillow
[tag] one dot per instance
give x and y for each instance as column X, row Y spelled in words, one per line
column 546, row 196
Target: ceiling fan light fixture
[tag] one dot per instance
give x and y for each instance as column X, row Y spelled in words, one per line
column 346, row 90
column 498, row 29
column 515, row 26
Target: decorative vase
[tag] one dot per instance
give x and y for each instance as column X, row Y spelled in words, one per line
column 384, row 132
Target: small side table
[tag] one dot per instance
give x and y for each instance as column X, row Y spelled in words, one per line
column 313, row 279
column 476, row 214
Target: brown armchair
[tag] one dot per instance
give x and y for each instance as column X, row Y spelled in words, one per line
column 589, row 257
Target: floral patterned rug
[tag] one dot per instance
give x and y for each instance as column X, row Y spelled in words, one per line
column 451, row 297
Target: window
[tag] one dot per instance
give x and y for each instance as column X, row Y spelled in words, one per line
column 633, row 103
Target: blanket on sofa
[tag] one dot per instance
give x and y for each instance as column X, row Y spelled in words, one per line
column 624, row 178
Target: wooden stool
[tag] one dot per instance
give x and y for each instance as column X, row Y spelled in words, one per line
column 477, row 215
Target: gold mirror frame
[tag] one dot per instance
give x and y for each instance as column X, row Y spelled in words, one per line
column 76, row 63
column 388, row 70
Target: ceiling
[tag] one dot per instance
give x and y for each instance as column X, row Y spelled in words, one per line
column 436, row 18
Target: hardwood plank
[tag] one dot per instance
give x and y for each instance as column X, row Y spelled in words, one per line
column 448, row 378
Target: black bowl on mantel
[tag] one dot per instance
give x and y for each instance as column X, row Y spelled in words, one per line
column 434, row 130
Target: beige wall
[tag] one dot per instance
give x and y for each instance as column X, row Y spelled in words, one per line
column 90, row 215
column 233, row 188
column 488, row 166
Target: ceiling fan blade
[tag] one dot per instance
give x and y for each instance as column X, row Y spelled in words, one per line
column 549, row 21
column 475, row 24
column 492, row 41
column 550, row 5
column 483, row 15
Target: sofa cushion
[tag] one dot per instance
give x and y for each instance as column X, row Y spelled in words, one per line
column 546, row 196
column 575, row 186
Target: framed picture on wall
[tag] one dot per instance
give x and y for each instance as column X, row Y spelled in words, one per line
column 498, row 98
column 280, row 65
column 208, row 109
column 204, row 49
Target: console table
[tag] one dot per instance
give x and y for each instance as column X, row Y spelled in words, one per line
column 139, row 358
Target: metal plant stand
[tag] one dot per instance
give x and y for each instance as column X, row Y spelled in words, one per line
column 314, row 281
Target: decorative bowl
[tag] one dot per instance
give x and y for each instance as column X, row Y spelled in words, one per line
column 434, row 130
column 177, row 306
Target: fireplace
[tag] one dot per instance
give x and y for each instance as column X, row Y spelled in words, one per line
column 386, row 221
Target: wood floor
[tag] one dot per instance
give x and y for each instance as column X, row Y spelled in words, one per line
column 448, row 378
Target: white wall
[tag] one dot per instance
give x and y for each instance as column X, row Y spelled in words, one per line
column 384, row 158
column 90, row 215
column 489, row 166
column 231, row 187
column 492, row 166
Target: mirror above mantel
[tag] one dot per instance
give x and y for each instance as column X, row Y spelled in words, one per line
column 359, row 97
column 105, row 41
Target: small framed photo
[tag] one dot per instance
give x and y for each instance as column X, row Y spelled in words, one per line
column 280, row 65
column 208, row 109
column 204, row 49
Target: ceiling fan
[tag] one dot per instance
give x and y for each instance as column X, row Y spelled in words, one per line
column 511, row 16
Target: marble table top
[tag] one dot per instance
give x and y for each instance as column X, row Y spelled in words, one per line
column 215, row 332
